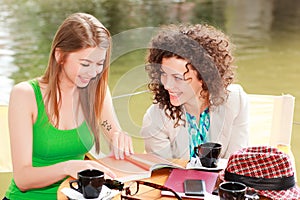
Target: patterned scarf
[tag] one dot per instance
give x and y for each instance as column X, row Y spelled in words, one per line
column 197, row 132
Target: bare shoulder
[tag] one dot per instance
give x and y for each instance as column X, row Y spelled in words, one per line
column 22, row 93
column 22, row 88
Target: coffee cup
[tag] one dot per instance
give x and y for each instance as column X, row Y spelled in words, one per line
column 89, row 183
column 235, row 191
column 208, row 153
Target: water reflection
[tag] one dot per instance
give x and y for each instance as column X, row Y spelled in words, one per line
column 7, row 53
column 266, row 33
column 250, row 25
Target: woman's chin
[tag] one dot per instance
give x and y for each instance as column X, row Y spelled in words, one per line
column 81, row 85
column 175, row 102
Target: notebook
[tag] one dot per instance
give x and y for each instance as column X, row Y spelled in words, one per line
column 177, row 177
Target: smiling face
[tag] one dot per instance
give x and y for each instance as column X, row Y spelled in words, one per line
column 81, row 66
column 184, row 89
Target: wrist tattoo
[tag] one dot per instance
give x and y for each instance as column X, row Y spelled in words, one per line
column 106, row 125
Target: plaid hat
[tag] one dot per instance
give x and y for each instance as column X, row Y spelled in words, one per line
column 265, row 170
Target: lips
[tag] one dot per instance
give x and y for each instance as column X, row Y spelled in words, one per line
column 84, row 79
column 174, row 95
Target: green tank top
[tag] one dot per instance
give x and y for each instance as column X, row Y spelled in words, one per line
column 51, row 146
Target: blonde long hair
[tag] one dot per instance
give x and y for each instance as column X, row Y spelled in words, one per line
column 78, row 31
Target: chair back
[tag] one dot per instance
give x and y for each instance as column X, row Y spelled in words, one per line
column 271, row 119
column 5, row 152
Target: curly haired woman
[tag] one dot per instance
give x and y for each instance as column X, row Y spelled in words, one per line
column 195, row 101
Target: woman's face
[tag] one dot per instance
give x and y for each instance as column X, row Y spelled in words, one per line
column 81, row 66
column 183, row 89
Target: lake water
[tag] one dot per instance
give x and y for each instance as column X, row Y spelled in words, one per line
column 266, row 34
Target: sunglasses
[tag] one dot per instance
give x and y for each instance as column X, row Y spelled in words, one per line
column 133, row 188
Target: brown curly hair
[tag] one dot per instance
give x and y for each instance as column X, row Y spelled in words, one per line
column 207, row 50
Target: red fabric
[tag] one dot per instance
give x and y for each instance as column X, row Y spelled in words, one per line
column 263, row 162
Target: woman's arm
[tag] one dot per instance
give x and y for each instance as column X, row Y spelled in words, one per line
column 21, row 114
column 155, row 133
column 121, row 142
column 240, row 127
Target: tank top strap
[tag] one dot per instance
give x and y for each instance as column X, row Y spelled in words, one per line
column 37, row 91
column 42, row 116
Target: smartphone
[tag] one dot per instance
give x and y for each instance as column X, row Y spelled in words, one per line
column 194, row 187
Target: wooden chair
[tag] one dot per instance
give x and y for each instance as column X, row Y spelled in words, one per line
column 271, row 119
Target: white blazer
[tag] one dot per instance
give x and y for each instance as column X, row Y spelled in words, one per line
column 228, row 126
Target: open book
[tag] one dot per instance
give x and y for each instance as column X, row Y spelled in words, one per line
column 135, row 167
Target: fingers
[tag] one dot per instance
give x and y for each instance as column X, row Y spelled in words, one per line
column 131, row 151
column 128, row 147
column 115, row 144
column 74, row 175
column 122, row 144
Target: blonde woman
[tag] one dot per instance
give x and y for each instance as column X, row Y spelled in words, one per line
column 55, row 119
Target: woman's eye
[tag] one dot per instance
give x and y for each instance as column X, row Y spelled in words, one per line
column 85, row 65
column 178, row 78
column 163, row 74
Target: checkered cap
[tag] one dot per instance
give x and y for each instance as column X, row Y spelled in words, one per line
column 265, row 164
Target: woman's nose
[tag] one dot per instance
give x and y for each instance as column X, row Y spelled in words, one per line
column 95, row 69
column 99, row 69
column 92, row 72
column 168, row 83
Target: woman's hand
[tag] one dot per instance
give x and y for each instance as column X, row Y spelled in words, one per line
column 121, row 143
column 74, row 166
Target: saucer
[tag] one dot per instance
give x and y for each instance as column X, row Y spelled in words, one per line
column 105, row 194
column 196, row 164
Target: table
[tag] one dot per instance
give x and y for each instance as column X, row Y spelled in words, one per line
column 158, row 177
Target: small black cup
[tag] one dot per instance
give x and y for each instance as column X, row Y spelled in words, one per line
column 208, row 154
column 235, row 191
column 89, row 183
column 232, row 190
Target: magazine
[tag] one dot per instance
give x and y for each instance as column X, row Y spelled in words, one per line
column 178, row 176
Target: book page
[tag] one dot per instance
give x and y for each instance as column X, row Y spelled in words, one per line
column 151, row 162
column 125, row 170
column 136, row 166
